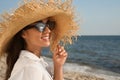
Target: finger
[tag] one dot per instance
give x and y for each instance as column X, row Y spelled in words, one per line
column 65, row 54
column 61, row 49
column 57, row 50
column 62, row 52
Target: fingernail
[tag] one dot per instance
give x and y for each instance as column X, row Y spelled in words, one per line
column 59, row 50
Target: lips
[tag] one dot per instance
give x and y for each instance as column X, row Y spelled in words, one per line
column 45, row 37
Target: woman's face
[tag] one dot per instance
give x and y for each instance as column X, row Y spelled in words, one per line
column 35, row 38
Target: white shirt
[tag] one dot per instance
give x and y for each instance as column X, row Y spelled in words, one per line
column 30, row 67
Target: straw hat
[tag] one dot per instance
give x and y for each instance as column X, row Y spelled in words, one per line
column 34, row 10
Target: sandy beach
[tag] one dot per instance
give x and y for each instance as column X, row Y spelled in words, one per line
column 78, row 76
column 69, row 73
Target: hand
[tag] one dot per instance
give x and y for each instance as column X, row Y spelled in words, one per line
column 59, row 56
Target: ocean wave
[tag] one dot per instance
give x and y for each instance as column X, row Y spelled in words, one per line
column 88, row 70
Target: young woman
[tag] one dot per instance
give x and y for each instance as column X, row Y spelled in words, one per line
column 32, row 26
column 30, row 65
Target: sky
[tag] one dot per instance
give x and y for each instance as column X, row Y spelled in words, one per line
column 96, row 17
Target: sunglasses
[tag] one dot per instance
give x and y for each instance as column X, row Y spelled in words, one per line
column 40, row 26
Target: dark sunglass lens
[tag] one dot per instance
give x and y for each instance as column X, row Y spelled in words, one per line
column 40, row 26
column 51, row 24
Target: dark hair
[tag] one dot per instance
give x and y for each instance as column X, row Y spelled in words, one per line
column 13, row 49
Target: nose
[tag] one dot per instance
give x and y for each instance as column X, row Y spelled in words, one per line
column 47, row 30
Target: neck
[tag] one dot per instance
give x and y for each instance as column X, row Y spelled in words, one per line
column 34, row 50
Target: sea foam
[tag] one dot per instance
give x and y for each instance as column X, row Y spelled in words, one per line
column 87, row 70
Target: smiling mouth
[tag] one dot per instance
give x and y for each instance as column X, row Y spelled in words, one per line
column 45, row 37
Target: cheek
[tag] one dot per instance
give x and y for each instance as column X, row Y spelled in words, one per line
column 35, row 37
column 32, row 36
column 38, row 41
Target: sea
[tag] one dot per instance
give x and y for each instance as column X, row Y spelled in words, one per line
column 96, row 52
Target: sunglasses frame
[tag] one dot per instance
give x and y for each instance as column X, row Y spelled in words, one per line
column 40, row 26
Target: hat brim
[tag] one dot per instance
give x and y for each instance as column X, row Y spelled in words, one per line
column 32, row 12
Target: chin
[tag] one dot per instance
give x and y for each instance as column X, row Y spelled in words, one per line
column 46, row 45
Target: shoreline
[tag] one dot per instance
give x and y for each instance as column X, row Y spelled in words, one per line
column 89, row 73
column 74, row 71
column 78, row 76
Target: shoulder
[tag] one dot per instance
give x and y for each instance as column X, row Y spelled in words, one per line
column 28, row 72
column 27, row 65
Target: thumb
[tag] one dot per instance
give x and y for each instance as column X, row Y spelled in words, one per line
column 55, row 52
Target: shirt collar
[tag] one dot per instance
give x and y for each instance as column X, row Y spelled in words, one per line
column 30, row 55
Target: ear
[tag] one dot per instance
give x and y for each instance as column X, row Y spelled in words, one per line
column 23, row 34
